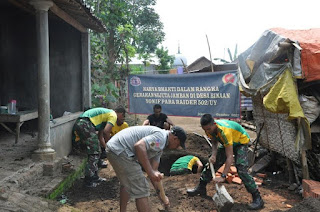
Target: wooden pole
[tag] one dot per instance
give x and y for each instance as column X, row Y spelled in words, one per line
column 305, row 169
column 210, row 54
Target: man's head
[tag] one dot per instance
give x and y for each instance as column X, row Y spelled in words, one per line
column 208, row 124
column 121, row 114
column 157, row 110
column 179, row 138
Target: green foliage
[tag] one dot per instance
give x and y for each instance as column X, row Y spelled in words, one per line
column 103, row 90
column 132, row 27
column 166, row 60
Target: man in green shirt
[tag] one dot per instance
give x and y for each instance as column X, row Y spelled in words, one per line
column 232, row 140
column 185, row 164
column 85, row 137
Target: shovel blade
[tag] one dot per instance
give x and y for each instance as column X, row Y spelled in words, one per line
column 223, row 200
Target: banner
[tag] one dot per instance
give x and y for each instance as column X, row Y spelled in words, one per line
column 193, row 95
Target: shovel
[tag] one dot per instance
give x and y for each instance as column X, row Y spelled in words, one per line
column 222, row 198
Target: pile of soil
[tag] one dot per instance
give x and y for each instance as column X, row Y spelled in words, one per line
column 105, row 197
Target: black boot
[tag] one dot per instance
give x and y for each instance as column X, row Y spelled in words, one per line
column 102, row 164
column 97, row 179
column 200, row 189
column 103, row 154
column 257, row 202
column 89, row 182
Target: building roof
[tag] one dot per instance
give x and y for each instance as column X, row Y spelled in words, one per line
column 199, row 64
column 76, row 9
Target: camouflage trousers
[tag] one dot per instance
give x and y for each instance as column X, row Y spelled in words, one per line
column 241, row 162
column 85, row 138
column 92, row 165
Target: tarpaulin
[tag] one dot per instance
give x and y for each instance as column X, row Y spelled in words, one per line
column 283, row 98
column 309, row 41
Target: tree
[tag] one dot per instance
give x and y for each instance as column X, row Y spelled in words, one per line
column 166, row 60
column 132, row 26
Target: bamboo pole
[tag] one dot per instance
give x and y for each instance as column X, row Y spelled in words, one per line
column 210, row 54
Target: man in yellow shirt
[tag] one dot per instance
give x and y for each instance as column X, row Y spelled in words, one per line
column 120, row 125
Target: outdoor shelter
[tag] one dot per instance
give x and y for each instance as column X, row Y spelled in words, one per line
column 281, row 71
column 45, row 65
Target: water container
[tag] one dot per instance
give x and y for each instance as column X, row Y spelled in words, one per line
column 12, row 107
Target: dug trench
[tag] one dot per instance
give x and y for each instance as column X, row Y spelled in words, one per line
column 105, row 197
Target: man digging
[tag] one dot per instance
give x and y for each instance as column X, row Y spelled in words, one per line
column 234, row 141
column 139, row 147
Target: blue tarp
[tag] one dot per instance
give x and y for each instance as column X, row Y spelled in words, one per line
column 192, row 95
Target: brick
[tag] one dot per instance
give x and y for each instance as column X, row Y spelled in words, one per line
column 229, row 178
column 288, row 206
column 306, row 194
column 315, row 193
column 258, row 184
column 308, row 185
column 220, row 170
column 233, row 170
column 237, row 180
column 258, row 180
column 262, row 175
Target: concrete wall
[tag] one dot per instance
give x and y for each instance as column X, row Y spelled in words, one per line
column 18, row 58
column 18, row 61
column 61, row 133
column 65, row 68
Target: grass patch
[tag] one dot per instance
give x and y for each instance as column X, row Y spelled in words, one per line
column 68, row 182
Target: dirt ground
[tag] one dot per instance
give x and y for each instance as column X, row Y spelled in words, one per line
column 105, row 197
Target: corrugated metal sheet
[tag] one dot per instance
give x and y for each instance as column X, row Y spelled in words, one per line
column 79, row 11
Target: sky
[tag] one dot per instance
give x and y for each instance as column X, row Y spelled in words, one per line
column 228, row 22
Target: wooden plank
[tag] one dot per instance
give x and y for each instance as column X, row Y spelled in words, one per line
column 29, row 116
column 67, row 18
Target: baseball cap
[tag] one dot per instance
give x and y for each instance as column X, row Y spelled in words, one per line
column 181, row 134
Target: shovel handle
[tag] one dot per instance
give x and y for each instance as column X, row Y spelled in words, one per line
column 212, row 171
column 214, row 176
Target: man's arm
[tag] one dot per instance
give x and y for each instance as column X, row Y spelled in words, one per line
column 229, row 154
column 169, row 121
column 141, row 153
column 158, row 186
column 104, row 135
column 146, row 122
column 200, row 166
column 213, row 157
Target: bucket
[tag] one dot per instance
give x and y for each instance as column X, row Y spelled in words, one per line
column 3, row 109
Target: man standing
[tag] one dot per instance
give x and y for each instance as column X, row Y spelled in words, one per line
column 158, row 119
column 139, row 146
column 85, row 137
column 185, row 164
column 234, row 141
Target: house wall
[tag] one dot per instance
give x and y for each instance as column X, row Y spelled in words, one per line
column 18, row 58
column 65, row 68
column 19, row 70
column 18, row 62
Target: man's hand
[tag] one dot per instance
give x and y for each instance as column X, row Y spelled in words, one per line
column 219, row 180
column 212, row 159
column 155, row 176
column 166, row 202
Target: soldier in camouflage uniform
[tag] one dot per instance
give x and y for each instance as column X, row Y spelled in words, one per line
column 86, row 138
column 233, row 140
